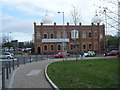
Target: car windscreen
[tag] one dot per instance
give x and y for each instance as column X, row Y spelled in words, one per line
column 6, row 53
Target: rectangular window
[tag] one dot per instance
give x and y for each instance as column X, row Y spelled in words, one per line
column 83, row 35
column 89, row 35
column 45, row 35
column 52, row 35
column 101, row 36
column 58, row 35
column 38, row 35
column 71, row 47
column 65, row 35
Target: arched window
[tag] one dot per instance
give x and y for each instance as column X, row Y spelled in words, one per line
column 45, row 48
column 52, row 47
column 90, row 46
column 59, row 47
column 84, row 46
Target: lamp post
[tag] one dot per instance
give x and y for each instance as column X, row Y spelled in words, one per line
column 63, row 43
column 119, row 27
column 106, row 37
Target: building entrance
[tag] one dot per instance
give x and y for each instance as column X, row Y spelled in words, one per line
column 39, row 50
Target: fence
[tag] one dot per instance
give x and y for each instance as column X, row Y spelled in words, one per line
column 9, row 65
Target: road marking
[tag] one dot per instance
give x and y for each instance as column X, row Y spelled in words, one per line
column 34, row 72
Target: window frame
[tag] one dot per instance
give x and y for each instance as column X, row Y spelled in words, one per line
column 58, row 35
column 51, row 35
column 38, row 36
column 52, row 48
column 84, row 35
column 45, row 49
column 44, row 35
column 90, row 35
column 58, row 47
column 90, row 46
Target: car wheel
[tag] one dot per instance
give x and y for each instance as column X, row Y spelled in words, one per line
column 8, row 57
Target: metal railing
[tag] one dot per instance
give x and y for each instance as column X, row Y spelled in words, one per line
column 9, row 65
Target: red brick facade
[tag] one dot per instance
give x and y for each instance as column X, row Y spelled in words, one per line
column 91, row 37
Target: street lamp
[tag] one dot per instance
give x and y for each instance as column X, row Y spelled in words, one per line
column 63, row 43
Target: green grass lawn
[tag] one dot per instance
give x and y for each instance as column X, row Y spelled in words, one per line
column 96, row 73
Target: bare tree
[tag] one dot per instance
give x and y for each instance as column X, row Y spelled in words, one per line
column 75, row 13
column 5, row 39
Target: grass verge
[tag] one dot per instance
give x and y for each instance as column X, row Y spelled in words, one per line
column 96, row 73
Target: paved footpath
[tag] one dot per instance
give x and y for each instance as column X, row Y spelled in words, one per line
column 32, row 75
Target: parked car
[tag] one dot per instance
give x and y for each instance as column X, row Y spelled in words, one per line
column 6, row 55
column 19, row 49
column 111, row 53
column 89, row 54
column 61, row 55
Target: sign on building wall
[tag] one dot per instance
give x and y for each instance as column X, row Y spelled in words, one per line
column 74, row 34
column 54, row 40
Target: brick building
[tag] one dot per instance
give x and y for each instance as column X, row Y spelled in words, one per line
column 48, row 38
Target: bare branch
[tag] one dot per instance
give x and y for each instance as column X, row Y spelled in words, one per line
column 75, row 15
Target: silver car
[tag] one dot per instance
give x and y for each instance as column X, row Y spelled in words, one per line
column 6, row 55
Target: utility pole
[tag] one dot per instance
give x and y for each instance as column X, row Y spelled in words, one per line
column 106, row 38
column 119, row 26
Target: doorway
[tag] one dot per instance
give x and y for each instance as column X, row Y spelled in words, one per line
column 39, row 50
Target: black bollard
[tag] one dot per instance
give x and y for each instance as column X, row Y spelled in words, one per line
column 3, row 77
column 13, row 64
column 7, row 72
column 9, row 67
column 30, row 58
column 18, row 62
